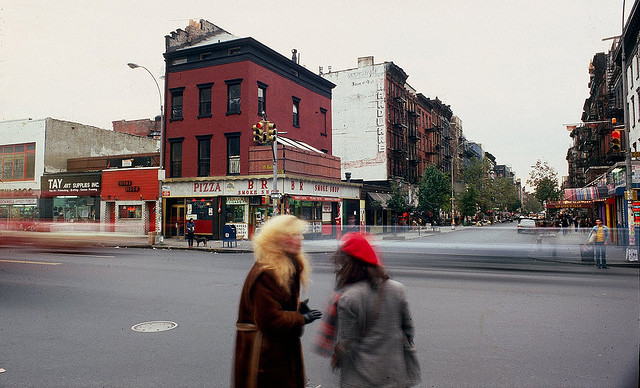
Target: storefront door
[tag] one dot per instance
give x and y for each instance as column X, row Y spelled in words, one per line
column 176, row 221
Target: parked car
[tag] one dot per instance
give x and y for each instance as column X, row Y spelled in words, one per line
column 527, row 225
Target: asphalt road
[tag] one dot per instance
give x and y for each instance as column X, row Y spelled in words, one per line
column 481, row 320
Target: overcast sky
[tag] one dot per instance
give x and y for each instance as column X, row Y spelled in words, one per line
column 514, row 71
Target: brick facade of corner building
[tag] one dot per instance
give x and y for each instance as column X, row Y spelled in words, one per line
column 252, row 65
column 216, row 87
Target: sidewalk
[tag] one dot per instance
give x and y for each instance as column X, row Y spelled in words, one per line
column 552, row 245
column 309, row 245
column 556, row 245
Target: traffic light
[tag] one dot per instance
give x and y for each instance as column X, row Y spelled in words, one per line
column 615, row 141
column 614, row 121
column 270, row 131
column 258, row 132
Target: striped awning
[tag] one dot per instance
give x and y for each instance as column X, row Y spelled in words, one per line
column 586, row 193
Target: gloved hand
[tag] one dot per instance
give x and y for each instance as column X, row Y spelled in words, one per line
column 311, row 316
column 304, row 308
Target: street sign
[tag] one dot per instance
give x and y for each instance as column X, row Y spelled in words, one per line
column 276, row 195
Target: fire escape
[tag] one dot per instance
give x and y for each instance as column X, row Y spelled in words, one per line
column 414, row 136
column 399, row 129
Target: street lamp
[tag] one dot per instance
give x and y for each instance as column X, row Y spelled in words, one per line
column 159, row 234
column 453, row 220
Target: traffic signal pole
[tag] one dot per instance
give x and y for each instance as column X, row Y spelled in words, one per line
column 274, row 193
column 266, row 132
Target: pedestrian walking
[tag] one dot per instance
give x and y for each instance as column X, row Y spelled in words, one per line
column 268, row 349
column 191, row 230
column 599, row 236
column 565, row 225
column 369, row 321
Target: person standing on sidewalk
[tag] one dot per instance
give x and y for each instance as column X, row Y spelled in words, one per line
column 601, row 239
column 191, row 230
column 271, row 319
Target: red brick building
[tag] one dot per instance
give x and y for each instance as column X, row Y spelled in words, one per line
column 217, row 87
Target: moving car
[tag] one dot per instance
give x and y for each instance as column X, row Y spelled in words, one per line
column 527, row 225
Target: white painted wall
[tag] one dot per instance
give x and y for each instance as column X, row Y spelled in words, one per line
column 20, row 132
column 359, row 121
column 57, row 140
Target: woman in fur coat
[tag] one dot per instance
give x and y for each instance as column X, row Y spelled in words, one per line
column 268, row 350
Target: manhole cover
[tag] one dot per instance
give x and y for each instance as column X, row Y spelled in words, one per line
column 154, row 326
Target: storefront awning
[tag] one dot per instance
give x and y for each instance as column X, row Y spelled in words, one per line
column 569, row 204
column 314, row 198
column 586, row 193
column 382, row 198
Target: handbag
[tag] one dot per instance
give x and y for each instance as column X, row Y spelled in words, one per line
column 592, row 238
column 254, row 360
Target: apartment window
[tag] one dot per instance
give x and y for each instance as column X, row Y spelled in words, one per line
column 323, row 112
column 233, row 154
column 633, row 112
column 175, row 161
column 233, row 96
column 178, row 61
column 176, row 103
column 204, row 155
column 262, row 98
column 296, row 112
column 204, row 90
column 17, row 162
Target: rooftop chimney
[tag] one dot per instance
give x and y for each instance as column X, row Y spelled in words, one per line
column 294, row 56
column 365, row 61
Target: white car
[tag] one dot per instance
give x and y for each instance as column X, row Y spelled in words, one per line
column 527, row 225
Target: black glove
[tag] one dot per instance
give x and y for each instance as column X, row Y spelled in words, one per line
column 311, row 316
column 304, row 308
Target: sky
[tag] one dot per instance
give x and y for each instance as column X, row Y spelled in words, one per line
column 515, row 72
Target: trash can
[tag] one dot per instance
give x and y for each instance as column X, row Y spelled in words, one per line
column 229, row 235
column 152, row 238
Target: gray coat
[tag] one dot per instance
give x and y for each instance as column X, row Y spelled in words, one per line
column 373, row 355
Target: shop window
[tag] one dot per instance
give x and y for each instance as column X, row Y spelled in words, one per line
column 233, row 96
column 205, row 100
column 17, row 162
column 176, row 103
column 130, row 211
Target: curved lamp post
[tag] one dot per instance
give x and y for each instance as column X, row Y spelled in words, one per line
column 159, row 234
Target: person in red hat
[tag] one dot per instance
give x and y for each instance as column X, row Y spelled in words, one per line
column 372, row 323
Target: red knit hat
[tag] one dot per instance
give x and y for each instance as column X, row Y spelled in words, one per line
column 356, row 245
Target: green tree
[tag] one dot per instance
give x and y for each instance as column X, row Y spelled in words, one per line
column 434, row 191
column 505, row 194
column 544, row 180
column 468, row 203
column 476, row 174
column 531, row 204
column 398, row 201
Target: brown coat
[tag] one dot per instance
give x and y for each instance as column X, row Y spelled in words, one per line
column 274, row 310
